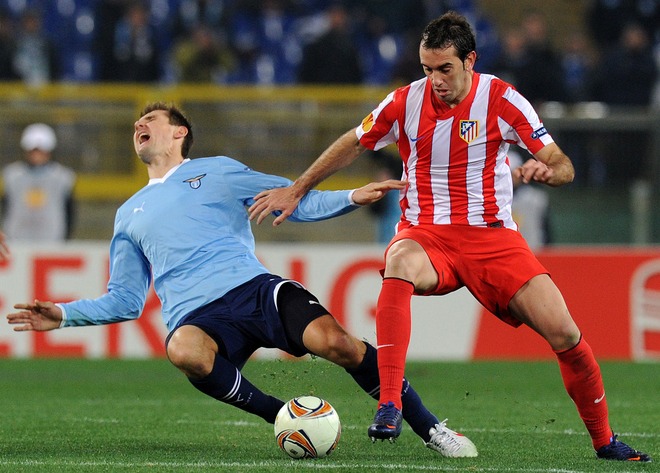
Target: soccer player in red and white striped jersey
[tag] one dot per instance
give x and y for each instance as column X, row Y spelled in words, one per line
column 453, row 129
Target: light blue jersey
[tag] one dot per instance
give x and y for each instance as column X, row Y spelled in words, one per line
column 191, row 231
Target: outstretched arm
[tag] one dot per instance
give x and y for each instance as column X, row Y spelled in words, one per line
column 337, row 156
column 38, row 316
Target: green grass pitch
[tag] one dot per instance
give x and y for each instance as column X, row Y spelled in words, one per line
column 143, row 416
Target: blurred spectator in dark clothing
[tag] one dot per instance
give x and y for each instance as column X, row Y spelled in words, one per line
column 7, row 48
column 407, row 67
column 578, row 62
column 413, row 17
column 541, row 79
column 135, row 49
column 383, row 33
column 625, row 77
column 606, row 19
column 107, row 14
column 332, row 58
column 202, row 57
column 626, row 74
column 511, row 63
column 263, row 37
column 191, row 13
column 36, row 61
column 530, row 62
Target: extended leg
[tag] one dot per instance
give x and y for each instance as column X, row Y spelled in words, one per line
column 540, row 305
column 196, row 355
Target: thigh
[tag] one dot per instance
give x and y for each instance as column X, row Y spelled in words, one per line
column 540, row 305
column 421, row 255
column 213, row 329
column 494, row 264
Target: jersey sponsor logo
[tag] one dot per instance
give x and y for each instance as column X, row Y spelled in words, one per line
column 416, row 139
column 539, row 133
column 195, row 182
column 468, row 130
column 368, row 123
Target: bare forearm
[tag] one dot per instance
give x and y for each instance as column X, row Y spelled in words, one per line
column 563, row 171
column 554, row 167
column 337, row 156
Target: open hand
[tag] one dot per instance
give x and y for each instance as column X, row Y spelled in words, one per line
column 39, row 316
column 281, row 199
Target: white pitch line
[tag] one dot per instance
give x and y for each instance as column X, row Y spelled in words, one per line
column 293, row 464
column 539, row 431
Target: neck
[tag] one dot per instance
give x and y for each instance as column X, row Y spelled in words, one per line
column 466, row 90
column 159, row 166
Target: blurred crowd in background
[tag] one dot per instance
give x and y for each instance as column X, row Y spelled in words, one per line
column 609, row 52
column 614, row 58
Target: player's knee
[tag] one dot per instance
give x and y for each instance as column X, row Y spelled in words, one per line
column 189, row 359
column 564, row 338
column 401, row 262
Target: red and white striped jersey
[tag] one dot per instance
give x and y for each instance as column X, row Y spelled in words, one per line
column 455, row 159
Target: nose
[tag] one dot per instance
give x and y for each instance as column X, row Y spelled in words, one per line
column 436, row 78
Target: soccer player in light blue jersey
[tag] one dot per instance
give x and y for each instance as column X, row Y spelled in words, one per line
column 189, row 231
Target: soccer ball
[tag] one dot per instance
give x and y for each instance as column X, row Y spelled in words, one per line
column 307, row 427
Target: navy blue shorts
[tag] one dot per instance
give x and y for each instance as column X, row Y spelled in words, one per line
column 265, row 312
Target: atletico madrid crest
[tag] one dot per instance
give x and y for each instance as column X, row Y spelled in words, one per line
column 468, row 130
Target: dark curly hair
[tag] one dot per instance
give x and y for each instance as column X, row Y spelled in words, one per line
column 451, row 29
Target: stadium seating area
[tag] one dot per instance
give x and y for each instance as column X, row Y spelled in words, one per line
column 267, row 37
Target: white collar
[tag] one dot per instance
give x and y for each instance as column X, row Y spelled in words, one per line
column 158, row 180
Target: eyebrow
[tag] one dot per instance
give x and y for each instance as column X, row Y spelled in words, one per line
column 441, row 66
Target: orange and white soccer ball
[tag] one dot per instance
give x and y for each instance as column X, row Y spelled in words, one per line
column 307, row 427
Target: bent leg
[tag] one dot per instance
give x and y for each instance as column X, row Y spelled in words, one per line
column 196, row 354
column 407, row 268
column 540, row 305
column 324, row 337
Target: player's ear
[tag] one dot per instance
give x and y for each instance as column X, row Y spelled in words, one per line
column 181, row 131
column 470, row 60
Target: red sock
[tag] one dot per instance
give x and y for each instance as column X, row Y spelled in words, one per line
column 393, row 336
column 583, row 381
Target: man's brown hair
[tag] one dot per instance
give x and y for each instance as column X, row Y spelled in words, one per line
column 451, row 29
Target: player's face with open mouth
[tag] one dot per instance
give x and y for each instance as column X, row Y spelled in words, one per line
column 153, row 135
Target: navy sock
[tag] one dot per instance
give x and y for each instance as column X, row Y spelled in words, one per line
column 226, row 384
column 414, row 412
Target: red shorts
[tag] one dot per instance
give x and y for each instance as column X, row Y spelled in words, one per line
column 493, row 263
